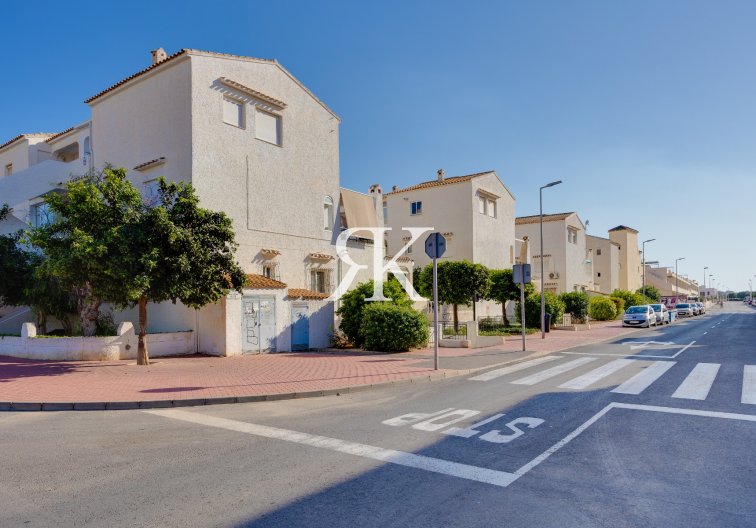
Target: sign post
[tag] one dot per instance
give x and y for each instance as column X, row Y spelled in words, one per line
column 435, row 247
column 521, row 276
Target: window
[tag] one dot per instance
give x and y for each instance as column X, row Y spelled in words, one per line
column 40, row 215
column 233, row 112
column 487, row 206
column 572, row 235
column 481, row 205
column 150, row 192
column 409, row 249
column 416, row 208
column 9, row 169
column 598, row 252
column 268, row 127
column 319, row 281
column 270, row 271
column 599, row 274
column 328, row 213
column 491, row 208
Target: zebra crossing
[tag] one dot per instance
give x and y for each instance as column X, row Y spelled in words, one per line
column 697, row 384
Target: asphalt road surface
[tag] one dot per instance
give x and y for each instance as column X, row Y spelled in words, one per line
column 657, row 428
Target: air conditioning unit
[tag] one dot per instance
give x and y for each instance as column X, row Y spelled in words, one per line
column 553, row 275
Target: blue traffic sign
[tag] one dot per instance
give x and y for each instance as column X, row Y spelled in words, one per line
column 435, row 245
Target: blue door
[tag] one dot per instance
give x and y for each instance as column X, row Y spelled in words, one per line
column 300, row 327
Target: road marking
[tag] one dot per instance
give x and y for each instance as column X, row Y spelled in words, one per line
column 698, row 383
column 553, row 371
column 614, row 405
column 488, row 376
column 589, row 378
column 705, row 333
column 749, row 384
column 643, row 379
column 644, row 344
column 401, row 458
column 629, row 354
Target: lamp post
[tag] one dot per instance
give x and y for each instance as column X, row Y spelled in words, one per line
column 677, row 289
column 643, row 248
column 543, row 294
column 704, row 283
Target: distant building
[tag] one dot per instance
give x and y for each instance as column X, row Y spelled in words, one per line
column 606, row 263
column 630, row 268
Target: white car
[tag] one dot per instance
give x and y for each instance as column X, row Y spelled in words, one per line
column 662, row 314
column 642, row 315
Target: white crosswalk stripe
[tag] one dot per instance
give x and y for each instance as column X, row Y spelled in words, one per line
column 595, row 375
column 643, row 379
column 749, row 385
column 554, row 371
column 493, row 374
column 698, row 383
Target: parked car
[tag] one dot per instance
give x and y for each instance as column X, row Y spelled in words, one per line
column 642, row 315
column 662, row 314
column 684, row 310
column 702, row 307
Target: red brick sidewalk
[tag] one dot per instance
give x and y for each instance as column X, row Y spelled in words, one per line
column 196, row 377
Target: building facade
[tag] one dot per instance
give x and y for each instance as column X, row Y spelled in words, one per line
column 256, row 144
column 606, row 263
column 630, row 268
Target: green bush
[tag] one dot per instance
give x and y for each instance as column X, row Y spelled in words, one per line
column 353, row 303
column 619, row 304
column 554, row 306
column 576, row 303
column 602, row 309
column 390, row 328
column 630, row 298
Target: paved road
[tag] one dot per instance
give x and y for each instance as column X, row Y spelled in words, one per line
column 656, row 428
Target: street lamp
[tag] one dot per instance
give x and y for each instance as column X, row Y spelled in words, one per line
column 643, row 247
column 677, row 289
column 704, row 292
column 543, row 294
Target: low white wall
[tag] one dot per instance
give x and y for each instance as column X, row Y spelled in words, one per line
column 110, row 348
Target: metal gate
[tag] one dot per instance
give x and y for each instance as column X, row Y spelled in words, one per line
column 258, row 324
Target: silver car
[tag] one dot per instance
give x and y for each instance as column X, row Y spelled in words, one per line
column 684, row 310
column 642, row 315
column 701, row 307
column 662, row 314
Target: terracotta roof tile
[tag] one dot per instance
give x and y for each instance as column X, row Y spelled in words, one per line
column 56, row 136
column 534, row 219
column 22, row 136
column 624, row 228
column 436, row 183
column 304, row 293
column 252, row 92
column 261, row 282
column 150, row 164
column 321, row 256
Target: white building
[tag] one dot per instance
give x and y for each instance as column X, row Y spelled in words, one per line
column 256, row 144
column 474, row 212
column 567, row 261
column 606, row 263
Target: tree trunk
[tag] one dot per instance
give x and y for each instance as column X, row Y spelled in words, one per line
column 89, row 309
column 143, row 355
column 41, row 323
column 504, row 313
column 456, row 320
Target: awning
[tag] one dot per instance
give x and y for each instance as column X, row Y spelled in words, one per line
column 359, row 211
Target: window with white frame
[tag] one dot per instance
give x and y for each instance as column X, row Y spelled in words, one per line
column 416, row 208
column 486, row 205
column 572, row 235
column 409, row 249
column 268, row 127
column 328, row 213
column 40, row 215
column 320, row 280
column 233, row 112
column 270, row 270
column 481, row 204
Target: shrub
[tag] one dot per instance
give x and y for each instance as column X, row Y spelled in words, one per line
column 390, row 328
column 554, row 306
column 106, row 325
column 630, row 298
column 575, row 303
column 353, row 303
column 602, row 309
column 619, row 304
column 653, row 295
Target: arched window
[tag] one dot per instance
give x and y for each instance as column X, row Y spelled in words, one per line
column 328, row 213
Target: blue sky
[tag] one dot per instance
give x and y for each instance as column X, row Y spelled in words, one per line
column 645, row 109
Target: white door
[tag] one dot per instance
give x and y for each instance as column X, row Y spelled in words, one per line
column 258, row 324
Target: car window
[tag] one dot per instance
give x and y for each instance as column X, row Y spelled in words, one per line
column 637, row 310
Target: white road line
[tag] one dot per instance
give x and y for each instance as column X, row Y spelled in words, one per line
column 698, row 383
column 652, row 408
column 401, row 458
column 553, row 371
column 686, row 347
column 589, row 378
column 749, row 385
column 488, row 376
column 643, row 379
column 705, row 333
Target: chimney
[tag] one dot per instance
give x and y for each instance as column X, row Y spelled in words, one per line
column 375, row 189
column 394, row 188
column 440, row 174
column 158, row 55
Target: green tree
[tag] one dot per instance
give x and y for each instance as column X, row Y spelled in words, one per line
column 458, row 283
column 553, row 305
column 353, row 305
column 652, row 293
column 630, row 298
column 576, row 303
column 136, row 253
column 503, row 289
column 16, row 266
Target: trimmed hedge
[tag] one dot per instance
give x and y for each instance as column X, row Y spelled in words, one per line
column 554, row 306
column 391, row 328
column 602, row 309
column 619, row 304
column 353, row 304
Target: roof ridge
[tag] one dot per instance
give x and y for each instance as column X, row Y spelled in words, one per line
column 25, row 135
column 437, row 183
